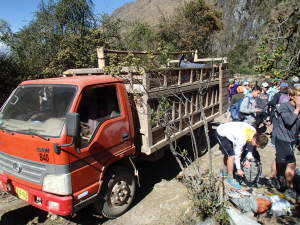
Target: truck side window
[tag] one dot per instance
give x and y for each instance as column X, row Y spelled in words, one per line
column 98, row 104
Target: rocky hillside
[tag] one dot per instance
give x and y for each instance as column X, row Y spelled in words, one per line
column 148, row 11
column 242, row 19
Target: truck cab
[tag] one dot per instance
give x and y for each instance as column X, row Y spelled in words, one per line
column 59, row 136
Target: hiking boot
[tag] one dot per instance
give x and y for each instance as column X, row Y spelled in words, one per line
column 232, row 183
column 290, row 193
column 223, row 173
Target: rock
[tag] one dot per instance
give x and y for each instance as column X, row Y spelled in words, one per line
column 207, row 221
column 237, row 218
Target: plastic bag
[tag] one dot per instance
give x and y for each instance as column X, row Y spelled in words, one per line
column 280, row 207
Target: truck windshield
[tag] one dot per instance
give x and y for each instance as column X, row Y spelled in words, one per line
column 37, row 109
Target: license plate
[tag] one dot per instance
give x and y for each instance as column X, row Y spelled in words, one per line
column 22, row 194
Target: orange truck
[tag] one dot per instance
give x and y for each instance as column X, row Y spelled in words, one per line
column 72, row 141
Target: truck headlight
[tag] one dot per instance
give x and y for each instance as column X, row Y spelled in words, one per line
column 58, row 184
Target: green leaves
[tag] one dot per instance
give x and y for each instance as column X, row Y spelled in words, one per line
column 278, row 52
column 191, row 27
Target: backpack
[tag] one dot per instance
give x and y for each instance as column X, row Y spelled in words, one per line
column 283, row 98
column 235, row 110
column 236, row 115
column 253, row 174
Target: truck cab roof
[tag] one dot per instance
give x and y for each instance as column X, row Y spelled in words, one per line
column 81, row 81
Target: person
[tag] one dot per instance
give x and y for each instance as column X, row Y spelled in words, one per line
column 246, row 87
column 238, row 96
column 280, row 97
column 294, row 80
column 230, row 90
column 273, row 90
column 233, row 138
column 286, row 135
column 234, row 107
column 262, row 104
column 248, row 106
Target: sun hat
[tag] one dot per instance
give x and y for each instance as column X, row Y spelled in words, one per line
column 245, row 83
column 265, row 84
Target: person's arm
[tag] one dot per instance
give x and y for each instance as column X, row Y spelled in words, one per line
column 244, row 108
column 274, row 100
column 237, row 154
column 289, row 117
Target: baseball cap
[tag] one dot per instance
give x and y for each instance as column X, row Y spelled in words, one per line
column 284, row 85
column 265, row 84
column 245, row 83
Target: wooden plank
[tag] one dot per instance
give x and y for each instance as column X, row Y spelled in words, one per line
column 83, row 71
column 178, row 135
column 101, row 57
column 158, row 92
column 221, row 89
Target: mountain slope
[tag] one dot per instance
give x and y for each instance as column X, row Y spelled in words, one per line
column 242, row 19
column 148, row 11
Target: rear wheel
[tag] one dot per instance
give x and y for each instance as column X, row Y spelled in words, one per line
column 118, row 192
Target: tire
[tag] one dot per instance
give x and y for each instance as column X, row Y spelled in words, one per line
column 118, row 192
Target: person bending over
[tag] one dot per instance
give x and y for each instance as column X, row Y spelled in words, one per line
column 233, row 138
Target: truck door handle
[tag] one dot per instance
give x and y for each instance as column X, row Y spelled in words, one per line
column 125, row 136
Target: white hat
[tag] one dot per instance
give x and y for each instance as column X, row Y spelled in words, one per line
column 295, row 79
column 245, row 83
column 265, row 84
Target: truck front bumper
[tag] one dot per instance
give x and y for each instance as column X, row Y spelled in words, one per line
column 60, row 205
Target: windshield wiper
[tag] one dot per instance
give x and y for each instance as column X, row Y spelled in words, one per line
column 33, row 132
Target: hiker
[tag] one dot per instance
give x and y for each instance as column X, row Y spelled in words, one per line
column 246, row 87
column 231, row 90
column 281, row 97
column 294, row 80
column 286, row 135
column 248, row 107
column 233, row 138
column 235, row 104
column 262, row 104
column 273, row 90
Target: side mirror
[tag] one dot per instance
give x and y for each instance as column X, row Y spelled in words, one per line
column 73, row 125
column 73, row 130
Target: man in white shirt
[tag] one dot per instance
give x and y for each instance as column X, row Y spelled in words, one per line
column 233, row 137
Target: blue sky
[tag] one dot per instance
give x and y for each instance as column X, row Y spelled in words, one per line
column 20, row 12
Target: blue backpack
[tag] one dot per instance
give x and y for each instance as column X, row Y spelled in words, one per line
column 235, row 111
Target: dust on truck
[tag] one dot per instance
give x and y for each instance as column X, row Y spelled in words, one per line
column 71, row 141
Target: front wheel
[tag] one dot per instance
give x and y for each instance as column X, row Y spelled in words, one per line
column 118, row 191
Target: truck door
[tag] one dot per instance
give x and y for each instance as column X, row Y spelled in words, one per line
column 105, row 133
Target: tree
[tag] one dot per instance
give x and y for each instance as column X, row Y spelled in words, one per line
column 278, row 53
column 191, row 27
column 140, row 36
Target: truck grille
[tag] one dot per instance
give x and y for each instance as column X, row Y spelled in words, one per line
column 24, row 169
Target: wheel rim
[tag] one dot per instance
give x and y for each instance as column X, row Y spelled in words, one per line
column 120, row 193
